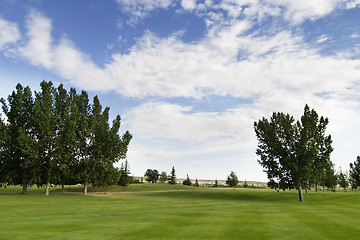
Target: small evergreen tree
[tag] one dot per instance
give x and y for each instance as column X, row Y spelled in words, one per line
column 187, row 181
column 196, row 183
column 172, row 177
column 355, row 174
column 124, row 173
column 343, row 180
column 216, row 184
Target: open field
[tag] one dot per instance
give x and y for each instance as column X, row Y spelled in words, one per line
column 161, row 211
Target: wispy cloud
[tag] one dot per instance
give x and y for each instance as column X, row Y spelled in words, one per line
column 9, row 33
column 322, row 38
column 139, row 9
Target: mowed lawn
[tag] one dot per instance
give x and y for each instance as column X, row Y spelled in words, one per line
column 161, row 211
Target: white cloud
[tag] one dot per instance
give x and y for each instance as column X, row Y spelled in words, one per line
column 39, row 47
column 188, row 4
column 322, row 38
column 9, row 33
column 139, row 9
column 161, row 120
column 298, row 11
column 352, row 4
column 355, row 35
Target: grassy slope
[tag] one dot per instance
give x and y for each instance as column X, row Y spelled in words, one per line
column 162, row 212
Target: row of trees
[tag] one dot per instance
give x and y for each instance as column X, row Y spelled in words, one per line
column 58, row 137
column 153, row 176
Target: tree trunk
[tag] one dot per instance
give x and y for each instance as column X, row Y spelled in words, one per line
column 301, row 198
column 85, row 188
column 47, row 188
column 24, row 189
column 62, row 189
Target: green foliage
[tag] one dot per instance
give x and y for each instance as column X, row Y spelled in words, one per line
column 216, row 184
column 187, row 181
column 196, row 184
column 163, row 177
column 232, row 180
column 172, row 177
column 343, row 180
column 294, row 154
column 330, row 178
column 58, row 138
column 354, row 174
column 152, row 175
column 124, row 178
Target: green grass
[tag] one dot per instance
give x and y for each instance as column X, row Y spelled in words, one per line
column 161, row 211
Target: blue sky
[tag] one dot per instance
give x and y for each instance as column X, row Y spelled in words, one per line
column 190, row 77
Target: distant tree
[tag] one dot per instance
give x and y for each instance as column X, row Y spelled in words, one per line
column 187, row 181
column 245, row 184
column 232, row 180
column 354, row 174
column 172, row 177
column 216, row 184
column 330, row 178
column 343, row 180
column 124, row 174
column 196, row 184
column 152, row 175
column 163, row 177
column 294, row 154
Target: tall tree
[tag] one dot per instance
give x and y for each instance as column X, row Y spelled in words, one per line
column 98, row 144
column 3, row 150
column 232, row 180
column 292, row 152
column 64, row 153
column 21, row 146
column 45, row 129
column 354, row 174
column 172, row 177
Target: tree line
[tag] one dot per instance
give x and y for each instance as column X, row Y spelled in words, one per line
column 56, row 136
column 153, row 176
